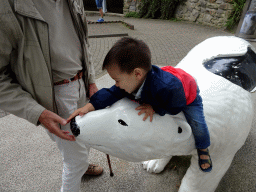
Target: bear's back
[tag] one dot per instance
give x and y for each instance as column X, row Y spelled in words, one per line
column 228, row 108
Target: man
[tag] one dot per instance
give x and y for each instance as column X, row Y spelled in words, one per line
column 46, row 71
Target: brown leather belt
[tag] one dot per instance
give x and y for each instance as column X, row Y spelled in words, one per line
column 79, row 75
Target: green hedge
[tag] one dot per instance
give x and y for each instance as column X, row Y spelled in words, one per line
column 236, row 13
column 163, row 9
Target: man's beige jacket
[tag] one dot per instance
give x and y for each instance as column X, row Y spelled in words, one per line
column 26, row 86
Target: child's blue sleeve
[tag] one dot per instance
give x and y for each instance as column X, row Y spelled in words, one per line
column 106, row 97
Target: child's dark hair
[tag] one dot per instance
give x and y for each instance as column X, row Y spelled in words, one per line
column 129, row 53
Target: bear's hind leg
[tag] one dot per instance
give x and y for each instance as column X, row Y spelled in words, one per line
column 156, row 165
column 196, row 180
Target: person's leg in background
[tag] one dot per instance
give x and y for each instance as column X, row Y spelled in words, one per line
column 104, row 4
column 75, row 154
column 99, row 4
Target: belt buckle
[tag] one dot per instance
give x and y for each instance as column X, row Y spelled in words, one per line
column 80, row 74
column 66, row 81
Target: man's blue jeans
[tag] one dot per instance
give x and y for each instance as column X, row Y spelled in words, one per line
column 99, row 4
column 195, row 117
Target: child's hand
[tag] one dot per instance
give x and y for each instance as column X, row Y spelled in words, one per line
column 81, row 111
column 148, row 110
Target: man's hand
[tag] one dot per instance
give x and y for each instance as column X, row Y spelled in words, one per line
column 51, row 122
column 92, row 89
column 81, row 111
column 148, row 110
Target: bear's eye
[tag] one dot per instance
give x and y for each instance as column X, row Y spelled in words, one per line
column 179, row 130
column 122, row 122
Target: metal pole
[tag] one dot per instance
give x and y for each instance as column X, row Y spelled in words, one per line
column 110, row 169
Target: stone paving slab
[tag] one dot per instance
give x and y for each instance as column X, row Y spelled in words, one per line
column 107, row 28
column 31, row 162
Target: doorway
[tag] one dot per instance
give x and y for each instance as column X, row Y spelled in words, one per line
column 113, row 6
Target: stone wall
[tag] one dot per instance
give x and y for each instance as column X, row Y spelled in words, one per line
column 131, row 6
column 208, row 12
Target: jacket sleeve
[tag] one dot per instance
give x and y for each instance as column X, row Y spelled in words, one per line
column 13, row 98
column 87, row 45
column 106, row 97
column 90, row 66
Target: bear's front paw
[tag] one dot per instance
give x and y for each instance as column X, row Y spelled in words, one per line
column 156, row 165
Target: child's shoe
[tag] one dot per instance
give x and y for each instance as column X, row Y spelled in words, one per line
column 100, row 20
column 203, row 161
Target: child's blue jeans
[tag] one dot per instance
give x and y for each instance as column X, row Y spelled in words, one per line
column 195, row 117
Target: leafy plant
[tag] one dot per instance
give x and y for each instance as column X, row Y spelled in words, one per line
column 235, row 14
column 175, row 19
column 132, row 14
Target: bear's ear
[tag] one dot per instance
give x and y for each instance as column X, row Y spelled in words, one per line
column 183, row 131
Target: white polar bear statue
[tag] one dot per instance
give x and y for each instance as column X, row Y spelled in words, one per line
column 228, row 108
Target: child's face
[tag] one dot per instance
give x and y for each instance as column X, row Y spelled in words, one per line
column 128, row 82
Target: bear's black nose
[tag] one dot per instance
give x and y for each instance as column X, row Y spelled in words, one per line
column 74, row 127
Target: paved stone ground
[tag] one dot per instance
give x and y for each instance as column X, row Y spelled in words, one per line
column 30, row 161
column 169, row 41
